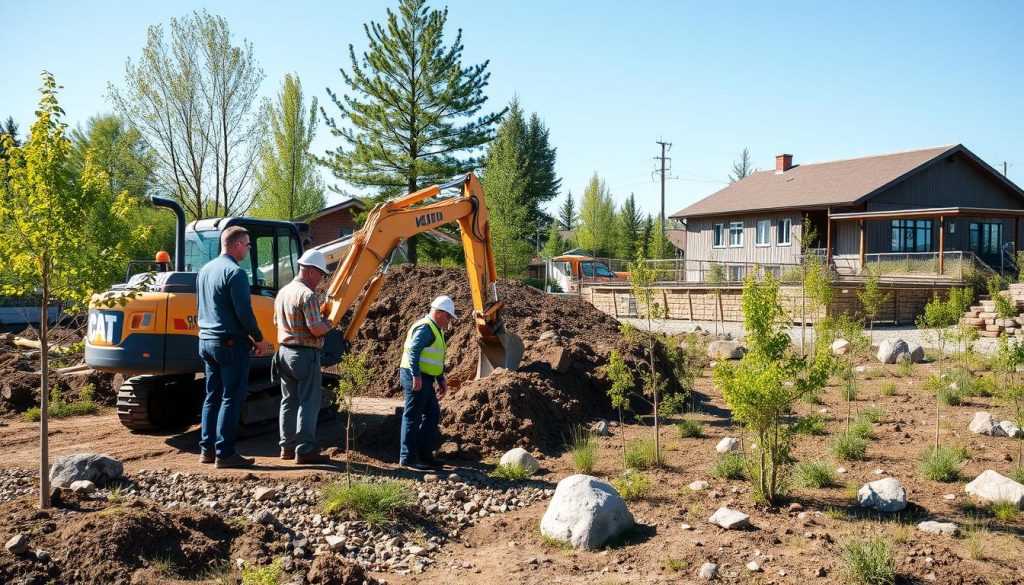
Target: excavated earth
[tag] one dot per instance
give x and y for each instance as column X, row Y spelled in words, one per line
column 561, row 382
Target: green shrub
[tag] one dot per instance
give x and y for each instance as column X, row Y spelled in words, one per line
column 983, row 386
column 906, row 368
column 861, row 429
column 889, row 389
column 641, row 454
column 60, row 408
column 689, row 428
column 950, row 395
column 816, row 474
column 848, row 389
column 812, row 424
column 943, row 463
column 675, row 565
column 849, row 447
column 511, row 472
column 267, row 575
column 376, row 503
column 873, row 415
column 1004, row 510
column 729, row 466
column 632, row 485
column 1017, row 474
column 583, row 450
column 869, row 562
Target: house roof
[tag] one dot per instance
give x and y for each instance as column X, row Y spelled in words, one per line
column 350, row 202
column 827, row 184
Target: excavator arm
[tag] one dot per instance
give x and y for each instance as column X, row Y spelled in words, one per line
column 358, row 280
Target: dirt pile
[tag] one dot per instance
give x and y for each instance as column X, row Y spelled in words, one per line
column 560, row 382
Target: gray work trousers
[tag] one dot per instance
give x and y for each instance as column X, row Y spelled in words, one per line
column 299, row 370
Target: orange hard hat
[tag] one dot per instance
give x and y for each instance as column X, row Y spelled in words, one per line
column 163, row 256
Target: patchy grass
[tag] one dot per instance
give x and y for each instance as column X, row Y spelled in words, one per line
column 60, row 408
column 869, row 562
column 905, row 368
column 943, row 463
column 376, row 503
column 888, row 389
column 1004, row 510
column 1017, row 474
column 675, row 565
column 861, row 429
column 266, row 575
column 729, row 466
column 849, row 447
column 511, row 472
column 632, row 486
column 950, row 396
column 640, row 454
column 583, row 450
column 553, row 542
column 689, row 428
column 812, row 424
column 816, row 474
column 873, row 414
column 975, row 539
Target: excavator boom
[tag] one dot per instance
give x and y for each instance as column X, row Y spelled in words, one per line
column 361, row 274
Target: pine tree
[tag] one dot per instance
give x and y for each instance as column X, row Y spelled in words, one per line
column 742, row 167
column 288, row 180
column 659, row 247
column 646, row 241
column 567, row 216
column 597, row 229
column 505, row 180
column 554, row 245
column 631, row 223
column 412, row 109
column 544, row 184
column 9, row 128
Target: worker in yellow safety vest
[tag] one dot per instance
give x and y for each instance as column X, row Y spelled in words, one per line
column 422, row 366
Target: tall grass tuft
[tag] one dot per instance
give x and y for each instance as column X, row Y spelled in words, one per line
column 641, row 454
column 583, row 449
column 689, row 428
column 849, row 447
column 632, row 485
column 816, row 474
column 943, row 463
column 729, row 466
column 376, row 503
column 812, row 424
column 869, row 562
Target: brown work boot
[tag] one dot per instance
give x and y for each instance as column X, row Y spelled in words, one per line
column 288, row 454
column 235, row 461
column 207, row 457
column 311, row 458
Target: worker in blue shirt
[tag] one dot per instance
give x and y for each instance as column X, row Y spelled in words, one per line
column 227, row 330
column 423, row 365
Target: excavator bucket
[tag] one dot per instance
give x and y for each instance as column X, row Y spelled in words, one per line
column 501, row 349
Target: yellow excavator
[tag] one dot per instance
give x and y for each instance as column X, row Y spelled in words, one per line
column 151, row 335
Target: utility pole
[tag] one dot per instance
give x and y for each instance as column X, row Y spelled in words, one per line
column 662, row 159
column 1004, row 168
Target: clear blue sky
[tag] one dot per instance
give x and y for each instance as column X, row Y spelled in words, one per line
column 821, row 80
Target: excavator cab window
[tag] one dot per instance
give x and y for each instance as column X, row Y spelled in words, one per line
column 200, row 248
column 273, row 258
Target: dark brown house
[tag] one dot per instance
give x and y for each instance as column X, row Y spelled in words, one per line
column 331, row 223
column 931, row 211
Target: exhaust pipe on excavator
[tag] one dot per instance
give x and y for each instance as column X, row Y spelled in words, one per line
column 179, row 230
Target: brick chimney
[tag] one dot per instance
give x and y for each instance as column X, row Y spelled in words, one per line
column 783, row 162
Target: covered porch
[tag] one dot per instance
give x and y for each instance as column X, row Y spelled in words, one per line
column 947, row 243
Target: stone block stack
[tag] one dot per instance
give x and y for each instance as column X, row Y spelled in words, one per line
column 984, row 317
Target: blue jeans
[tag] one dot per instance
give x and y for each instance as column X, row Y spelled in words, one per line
column 226, row 363
column 419, row 419
column 299, row 370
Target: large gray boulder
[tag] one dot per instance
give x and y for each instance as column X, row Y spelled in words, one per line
column 726, row 350
column 585, row 512
column 991, row 487
column 984, row 424
column 840, row 347
column 891, row 351
column 916, row 352
column 521, row 457
column 1006, row 428
column 99, row 469
column 884, row 495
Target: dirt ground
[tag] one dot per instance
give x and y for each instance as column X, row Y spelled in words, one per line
column 508, row 548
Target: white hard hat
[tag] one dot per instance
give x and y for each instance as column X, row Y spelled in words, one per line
column 315, row 259
column 444, row 303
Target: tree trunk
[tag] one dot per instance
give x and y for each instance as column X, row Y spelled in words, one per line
column 44, row 400
column 411, row 242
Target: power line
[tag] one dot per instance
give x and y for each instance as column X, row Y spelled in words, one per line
column 663, row 159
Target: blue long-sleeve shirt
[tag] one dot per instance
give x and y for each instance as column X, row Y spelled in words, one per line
column 422, row 337
column 225, row 307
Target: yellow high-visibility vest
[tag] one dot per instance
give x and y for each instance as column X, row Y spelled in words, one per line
column 432, row 356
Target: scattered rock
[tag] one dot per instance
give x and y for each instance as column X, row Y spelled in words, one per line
column 83, row 487
column 264, row 517
column 991, row 486
column 708, row 571
column 726, row 350
column 892, row 350
column 752, row 566
column 98, row 469
column 729, row 519
column 430, row 478
column 840, row 470
column 522, row 457
column 884, row 495
column 983, row 424
column 601, row 428
column 335, row 542
column 795, row 507
column 933, row 527
column 17, row 544
column 727, row 445
column 840, row 347
column 585, row 512
column 916, row 352
column 699, row 485
column 264, row 494
column 42, row 556
column 1006, row 428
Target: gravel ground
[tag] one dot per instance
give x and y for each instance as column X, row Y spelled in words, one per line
column 449, row 502
column 905, row 332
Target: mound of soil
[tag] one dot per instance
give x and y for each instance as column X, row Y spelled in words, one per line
column 332, row 570
column 559, row 384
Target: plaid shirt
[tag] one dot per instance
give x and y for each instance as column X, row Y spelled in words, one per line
column 295, row 308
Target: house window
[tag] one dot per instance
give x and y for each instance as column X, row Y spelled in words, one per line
column 345, row 232
column 736, row 234
column 985, row 238
column 783, row 232
column 763, row 235
column 911, row 235
column 737, row 272
column 719, row 235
